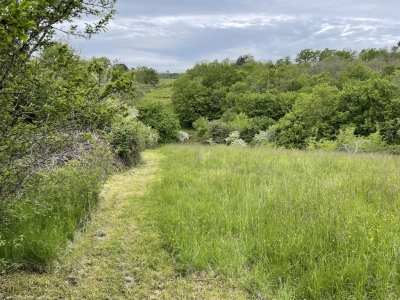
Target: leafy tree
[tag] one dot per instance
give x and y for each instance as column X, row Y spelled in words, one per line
column 372, row 53
column 357, row 73
column 255, row 105
column 15, row 19
column 243, row 59
column 307, row 56
column 191, row 100
column 55, row 96
column 33, row 24
column 314, row 114
column 147, row 75
column 371, row 105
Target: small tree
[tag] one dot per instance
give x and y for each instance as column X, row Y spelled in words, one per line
column 147, row 75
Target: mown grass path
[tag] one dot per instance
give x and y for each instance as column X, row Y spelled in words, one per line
column 119, row 255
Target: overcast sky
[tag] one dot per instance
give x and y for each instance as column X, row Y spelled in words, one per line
column 174, row 35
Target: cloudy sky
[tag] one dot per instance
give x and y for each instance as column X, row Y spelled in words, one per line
column 173, row 35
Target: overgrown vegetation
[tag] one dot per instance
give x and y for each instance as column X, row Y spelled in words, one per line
column 284, row 224
column 63, row 126
column 306, row 101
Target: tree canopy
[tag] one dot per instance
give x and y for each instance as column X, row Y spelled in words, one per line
column 323, row 93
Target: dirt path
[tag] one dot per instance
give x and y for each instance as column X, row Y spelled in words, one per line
column 115, row 258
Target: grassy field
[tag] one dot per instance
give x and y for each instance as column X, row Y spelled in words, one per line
column 119, row 255
column 197, row 222
column 283, row 224
column 162, row 93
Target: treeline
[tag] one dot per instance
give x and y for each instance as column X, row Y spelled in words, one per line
column 330, row 99
column 64, row 127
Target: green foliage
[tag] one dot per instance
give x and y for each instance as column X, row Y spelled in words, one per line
column 265, row 137
column 52, row 97
column 146, row 75
column 15, row 19
column 201, row 127
column 256, row 125
column 154, row 114
column 129, row 138
column 358, row 72
column 312, row 114
column 191, row 100
column 202, row 90
column 218, row 131
column 347, row 141
column 311, row 101
column 60, row 202
column 256, row 105
column 371, row 105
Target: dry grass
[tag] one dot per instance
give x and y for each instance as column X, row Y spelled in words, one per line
column 119, row 255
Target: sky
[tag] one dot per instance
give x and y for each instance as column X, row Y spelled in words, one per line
column 175, row 34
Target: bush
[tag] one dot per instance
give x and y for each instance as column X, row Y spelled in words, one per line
column 264, row 137
column 154, row 114
column 347, row 141
column 234, row 139
column 256, row 125
column 201, row 127
column 218, row 131
column 183, row 136
column 129, row 137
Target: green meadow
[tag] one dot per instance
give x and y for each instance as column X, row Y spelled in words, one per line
column 161, row 93
column 283, row 224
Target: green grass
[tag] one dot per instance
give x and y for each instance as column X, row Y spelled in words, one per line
column 119, row 255
column 284, row 224
column 166, row 82
column 161, row 93
column 42, row 222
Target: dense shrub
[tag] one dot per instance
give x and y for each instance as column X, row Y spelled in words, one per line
column 154, row 114
column 256, row 125
column 234, row 139
column 129, row 138
column 183, row 136
column 218, row 131
column 201, row 127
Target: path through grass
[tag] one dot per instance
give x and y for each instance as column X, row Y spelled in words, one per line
column 120, row 254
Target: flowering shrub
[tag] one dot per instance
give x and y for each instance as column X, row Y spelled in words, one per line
column 234, row 139
column 265, row 136
column 183, row 136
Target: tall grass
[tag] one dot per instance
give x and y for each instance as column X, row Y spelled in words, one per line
column 300, row 224
column 40, row 225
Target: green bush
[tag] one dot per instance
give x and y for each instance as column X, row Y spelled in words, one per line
column 256, row 125
column 154, row 114
column 201, row 127
column 129, row 138
column 218, row 131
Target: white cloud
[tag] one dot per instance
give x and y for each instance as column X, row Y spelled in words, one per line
column 176, row 35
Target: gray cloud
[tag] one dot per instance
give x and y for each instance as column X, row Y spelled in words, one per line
column 177, row 34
